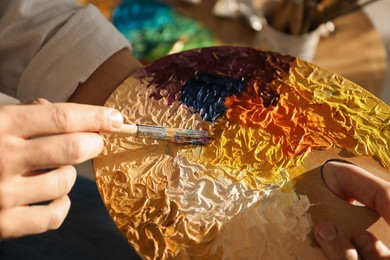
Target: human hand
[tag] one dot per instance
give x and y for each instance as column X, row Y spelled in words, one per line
column 352, row 183
column 38, row 145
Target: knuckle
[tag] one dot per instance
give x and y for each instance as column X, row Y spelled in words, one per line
column 58, row 185
column 8, row 144
column 5, row 196
column 72, row 173
column 56, row 219
column 64, row 181
column 62, row 118
column 73, row 150
column 58, row 214
column 3, row 166
column 10, row 156
column 101, row 119
column 11, row 118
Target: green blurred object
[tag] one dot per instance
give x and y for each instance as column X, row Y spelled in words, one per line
column 155, row 29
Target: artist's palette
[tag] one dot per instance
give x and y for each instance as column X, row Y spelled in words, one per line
column 267, row 114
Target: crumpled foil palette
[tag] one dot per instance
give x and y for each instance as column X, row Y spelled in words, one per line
column 234, row 197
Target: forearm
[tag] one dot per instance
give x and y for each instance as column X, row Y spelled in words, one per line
column 106, row 78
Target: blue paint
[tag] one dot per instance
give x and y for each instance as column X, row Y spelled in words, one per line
column 206, row 94
column 146, row 14
column 154, row 27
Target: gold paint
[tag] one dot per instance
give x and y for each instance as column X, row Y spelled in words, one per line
column 351, row 105
column 183, row 202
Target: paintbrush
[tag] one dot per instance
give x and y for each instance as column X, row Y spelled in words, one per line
column 340, row 8
column 175, row 135
column 297, row 15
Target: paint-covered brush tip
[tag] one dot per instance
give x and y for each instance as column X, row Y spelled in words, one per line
column 186, row 136
column 175, row 135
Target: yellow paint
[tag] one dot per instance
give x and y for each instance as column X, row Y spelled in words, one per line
column 171, row 201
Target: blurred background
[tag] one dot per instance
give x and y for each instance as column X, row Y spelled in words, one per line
column 348, row 37
column 353, row 40
column 356, row 47
column 379, row 14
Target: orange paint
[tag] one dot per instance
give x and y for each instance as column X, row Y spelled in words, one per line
column 295, row 122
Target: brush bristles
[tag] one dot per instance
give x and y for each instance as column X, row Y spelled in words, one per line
column 184, row 136
column 180, row 136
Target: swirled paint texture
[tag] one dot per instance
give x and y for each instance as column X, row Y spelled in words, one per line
column 266, row 112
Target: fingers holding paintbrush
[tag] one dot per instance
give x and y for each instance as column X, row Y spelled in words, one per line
column 175, row 135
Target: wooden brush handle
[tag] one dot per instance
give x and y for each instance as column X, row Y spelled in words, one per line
column 131, row 130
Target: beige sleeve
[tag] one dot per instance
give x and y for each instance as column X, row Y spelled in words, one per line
column 47, row 47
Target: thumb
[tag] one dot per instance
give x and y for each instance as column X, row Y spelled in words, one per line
column 351, row 183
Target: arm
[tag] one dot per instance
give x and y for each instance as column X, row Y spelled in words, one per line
column 51, row 48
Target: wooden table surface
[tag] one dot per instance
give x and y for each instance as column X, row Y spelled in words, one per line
column 355, row 51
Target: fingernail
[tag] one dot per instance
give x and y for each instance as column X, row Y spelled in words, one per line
column 325, row 169
column 330, row 167
column 364, row 241
column 327, row 232
column 116, row 119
